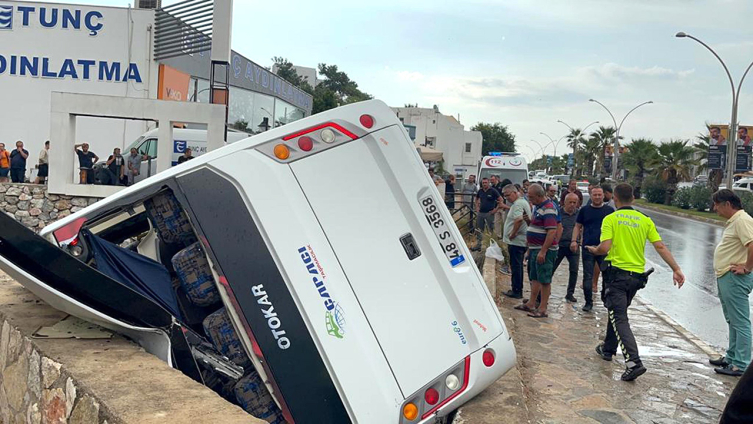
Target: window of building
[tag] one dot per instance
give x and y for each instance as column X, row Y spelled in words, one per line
column 430, row 141
column 468, row 147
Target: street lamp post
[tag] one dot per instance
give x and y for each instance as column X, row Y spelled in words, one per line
column 616, row 151
column 731, row 143
column 552, row 141
column 575, row 144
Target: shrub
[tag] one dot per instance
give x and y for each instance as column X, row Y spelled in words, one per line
column 700, row 198
column 654, row 190
column 747, row 200
column 682, row 198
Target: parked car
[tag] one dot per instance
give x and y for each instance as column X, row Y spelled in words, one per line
column 743, row 184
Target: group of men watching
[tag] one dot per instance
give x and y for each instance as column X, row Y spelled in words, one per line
column 13, row 163
column 605, row 233
column 117, row 170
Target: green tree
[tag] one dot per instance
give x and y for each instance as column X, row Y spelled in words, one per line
column 591, row 151
column 605, row 137
column 640, row 157
column 497, row 138
column 346, row 90
column 574, row 140
column 702, row 150
column 674, row 164
column 336, row 90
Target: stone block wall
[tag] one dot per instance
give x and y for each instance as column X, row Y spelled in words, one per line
column 34, row 207
column 35, row 389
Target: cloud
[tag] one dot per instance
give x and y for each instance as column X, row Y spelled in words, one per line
column 613, row 71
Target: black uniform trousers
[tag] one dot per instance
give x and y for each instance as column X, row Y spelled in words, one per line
column 618, row 291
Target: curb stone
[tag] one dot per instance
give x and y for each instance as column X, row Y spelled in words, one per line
column 708, row 350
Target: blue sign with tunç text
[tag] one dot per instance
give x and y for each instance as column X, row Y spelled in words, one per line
column 51, row 17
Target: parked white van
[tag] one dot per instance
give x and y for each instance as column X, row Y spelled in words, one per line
column 183, row 139
column 338, row 291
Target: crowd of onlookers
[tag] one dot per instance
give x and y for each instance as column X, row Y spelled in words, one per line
column 13, row 163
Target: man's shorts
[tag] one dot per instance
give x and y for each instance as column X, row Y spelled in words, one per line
column 4, row 172
column 541, row 272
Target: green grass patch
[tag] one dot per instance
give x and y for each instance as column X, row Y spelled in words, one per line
column 673, row 209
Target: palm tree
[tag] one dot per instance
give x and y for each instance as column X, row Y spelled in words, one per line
column 640, row 157
column 605, row 136
column 674, row 165
column 702, row 152
column 591, row 149
column 574, row 140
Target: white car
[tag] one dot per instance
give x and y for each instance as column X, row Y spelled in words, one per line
column 743, row 184
column 398, row 327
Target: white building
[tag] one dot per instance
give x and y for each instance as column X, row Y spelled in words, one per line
column 461, row 149
column 55, row 47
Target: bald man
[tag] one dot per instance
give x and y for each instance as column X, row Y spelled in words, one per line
column 569, row 214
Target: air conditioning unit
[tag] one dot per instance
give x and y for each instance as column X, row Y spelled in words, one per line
column 148, row 4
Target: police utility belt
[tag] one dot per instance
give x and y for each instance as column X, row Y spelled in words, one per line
column 608, row 269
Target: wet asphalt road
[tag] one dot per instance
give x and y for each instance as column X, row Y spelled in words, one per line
column 696, row 306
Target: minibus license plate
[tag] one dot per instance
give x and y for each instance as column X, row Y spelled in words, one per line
column 449, row 245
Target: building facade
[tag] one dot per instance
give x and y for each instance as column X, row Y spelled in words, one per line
column 54, row 47
column 461, row 149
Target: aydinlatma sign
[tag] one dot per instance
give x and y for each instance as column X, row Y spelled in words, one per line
column 40, row 21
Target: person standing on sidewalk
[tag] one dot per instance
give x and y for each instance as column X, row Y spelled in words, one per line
column 487, row 200
column 572, row 187
column 568, row 214
column 4, row 163
column 469, row 191
column 18, row 163
column 733, row 262
column 449, row 192
column 623, row 240
column 515, row 238
column 588, row 224
column 542, row 245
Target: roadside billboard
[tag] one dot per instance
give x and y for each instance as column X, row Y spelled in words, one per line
column 718, row 139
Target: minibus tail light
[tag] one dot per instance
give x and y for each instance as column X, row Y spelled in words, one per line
column 410, row 412
column 488, row 357
column 282, row 152
column 328, row 136
column 452, row 382
column 367, row 121
column 305, row 143
column 431, row 396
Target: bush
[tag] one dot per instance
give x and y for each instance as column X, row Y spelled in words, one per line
column 682, row 198
column 700, row 198
column 654, row 190
column 747, row 200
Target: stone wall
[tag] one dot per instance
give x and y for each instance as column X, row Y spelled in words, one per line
column 36, row 389
column 34, row 207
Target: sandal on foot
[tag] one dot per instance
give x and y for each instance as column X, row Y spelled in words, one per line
column 538, row 314
column 523, row 307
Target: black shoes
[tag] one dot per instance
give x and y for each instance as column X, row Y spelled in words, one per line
column 719, row 362
column 570, row 298
column 730, row 370
column 631, row 374
column 513, row 295
column 605, row 356
column 588, row 307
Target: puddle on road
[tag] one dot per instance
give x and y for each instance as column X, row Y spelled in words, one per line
column 664, row 351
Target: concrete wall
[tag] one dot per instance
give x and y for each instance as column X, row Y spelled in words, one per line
column 34, row 207
column 83, row 381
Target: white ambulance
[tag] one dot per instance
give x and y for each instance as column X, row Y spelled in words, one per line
column 346, row 281
column 505, row 165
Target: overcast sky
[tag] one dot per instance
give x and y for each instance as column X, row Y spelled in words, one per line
column 522, row 63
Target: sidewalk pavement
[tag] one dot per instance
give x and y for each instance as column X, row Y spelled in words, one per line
column 560, row 378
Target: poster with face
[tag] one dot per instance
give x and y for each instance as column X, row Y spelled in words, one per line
column 743, row 135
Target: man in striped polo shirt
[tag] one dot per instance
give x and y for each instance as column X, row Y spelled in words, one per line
column 542, row 247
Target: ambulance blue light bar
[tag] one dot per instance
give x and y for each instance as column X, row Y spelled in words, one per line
column 503, row 154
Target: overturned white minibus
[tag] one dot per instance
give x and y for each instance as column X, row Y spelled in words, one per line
column 311, row 274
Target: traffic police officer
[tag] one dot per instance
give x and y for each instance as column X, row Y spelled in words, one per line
column 623, row 240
